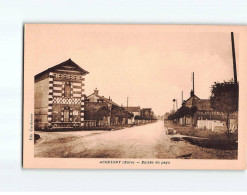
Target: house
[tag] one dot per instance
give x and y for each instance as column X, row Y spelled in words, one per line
column 105, row 111
column 135, row 110
column 59, row 96
column 205, row 117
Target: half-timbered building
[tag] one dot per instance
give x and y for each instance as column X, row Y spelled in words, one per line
column 59, row 96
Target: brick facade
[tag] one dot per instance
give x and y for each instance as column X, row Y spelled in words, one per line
column 65, row 90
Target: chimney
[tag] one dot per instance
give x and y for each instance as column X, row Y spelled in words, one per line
column 96, row 91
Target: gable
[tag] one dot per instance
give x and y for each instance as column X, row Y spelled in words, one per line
column 96, row 98
column 68, row 67
column 93, row 98
column 189, row 101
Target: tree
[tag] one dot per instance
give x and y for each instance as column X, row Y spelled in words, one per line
column 224, row 98
column 104, row 111
column 137, row 117
column 130, row 115
column 183, row 111
column 193, row 110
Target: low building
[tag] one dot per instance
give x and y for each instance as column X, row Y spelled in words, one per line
column 206, row 113
column 59, row 97
column 105, row 111
column 135, row 110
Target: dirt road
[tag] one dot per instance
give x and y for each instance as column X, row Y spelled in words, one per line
column 147, row 141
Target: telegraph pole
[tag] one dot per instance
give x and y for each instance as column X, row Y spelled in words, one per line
column 193, row 77
column 182, row 100
column 234, row 59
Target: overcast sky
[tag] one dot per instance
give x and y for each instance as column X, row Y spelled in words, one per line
column 150, row 66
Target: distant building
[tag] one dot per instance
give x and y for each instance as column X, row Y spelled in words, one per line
column 105, row 111
column 135, row 110
column 59, row 96
column 204, row 112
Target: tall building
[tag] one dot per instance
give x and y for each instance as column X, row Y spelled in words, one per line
column 59, row 96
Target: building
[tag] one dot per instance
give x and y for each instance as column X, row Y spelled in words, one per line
column 205, row 117
column 59, row 96
column 104, row 111
column 135, row 110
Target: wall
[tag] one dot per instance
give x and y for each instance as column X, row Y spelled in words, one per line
column 211, row 125
column 41, row 103
column 93, row 98
column 58, row 101
column 57, row 112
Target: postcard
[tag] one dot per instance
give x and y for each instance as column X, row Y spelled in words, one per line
column 107, row 96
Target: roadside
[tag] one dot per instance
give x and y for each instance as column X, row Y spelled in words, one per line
column 203, row 138
column 98, row 128
column 37, row 134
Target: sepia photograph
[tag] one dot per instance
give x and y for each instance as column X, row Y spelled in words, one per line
column 139, row 92
column 123, row 96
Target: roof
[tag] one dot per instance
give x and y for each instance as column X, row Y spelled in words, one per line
column 133, row 109
column 191, row 97
column 67, row 62
column 203, row 104
column 105, row 99
column 204, row 101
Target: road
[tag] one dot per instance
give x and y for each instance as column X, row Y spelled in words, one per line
column 147, row 141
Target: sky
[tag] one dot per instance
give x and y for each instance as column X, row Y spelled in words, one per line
column 148, row 64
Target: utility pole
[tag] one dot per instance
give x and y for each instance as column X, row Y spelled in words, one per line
column 193, row 77
column 234, row 59
column 182, row 100
column 193, row 93
column 127, row 102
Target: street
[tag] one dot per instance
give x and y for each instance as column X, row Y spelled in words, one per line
column 147, row 141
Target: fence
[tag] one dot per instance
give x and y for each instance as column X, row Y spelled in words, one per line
column 88, row 123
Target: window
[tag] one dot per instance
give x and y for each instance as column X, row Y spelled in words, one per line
column 67, row 90
column 66, row 115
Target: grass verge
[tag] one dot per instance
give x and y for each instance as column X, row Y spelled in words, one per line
column 206, row 138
